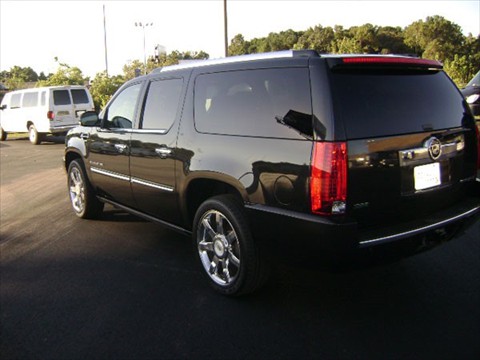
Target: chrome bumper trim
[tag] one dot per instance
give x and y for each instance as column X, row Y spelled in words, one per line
column 417, row 231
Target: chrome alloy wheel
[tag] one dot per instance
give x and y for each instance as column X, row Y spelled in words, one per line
column 219, row 248
column 77, row 190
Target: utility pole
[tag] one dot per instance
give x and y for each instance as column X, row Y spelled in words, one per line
column 105, row 38
column 225, row 26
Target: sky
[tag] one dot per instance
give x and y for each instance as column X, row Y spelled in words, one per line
column 33, row 33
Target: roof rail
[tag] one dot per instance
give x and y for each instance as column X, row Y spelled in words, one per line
column 239, row 58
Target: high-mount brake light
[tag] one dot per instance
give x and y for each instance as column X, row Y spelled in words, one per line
column 328, row 182
column 50, row 115
column 365, row 60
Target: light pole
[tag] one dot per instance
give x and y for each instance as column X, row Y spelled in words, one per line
column 143, row 26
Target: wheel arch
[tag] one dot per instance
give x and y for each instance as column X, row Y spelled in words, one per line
column 29, row 122
column 202, row 188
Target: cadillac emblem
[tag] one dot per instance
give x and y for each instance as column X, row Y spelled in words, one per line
column 434, row 147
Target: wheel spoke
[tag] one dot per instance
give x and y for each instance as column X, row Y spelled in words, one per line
column 219, row 223
column 214, row 266
column 226, row 272
column 231, row 237
column 233, row 259
column 208, row 228
column 205, row 246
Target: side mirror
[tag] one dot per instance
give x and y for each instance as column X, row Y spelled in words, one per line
column 3, row 107
column 89, row 118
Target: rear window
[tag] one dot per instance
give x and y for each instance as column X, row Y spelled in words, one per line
column 380, row 103
column 61, row 97
column 264, row 103
column 79, row 96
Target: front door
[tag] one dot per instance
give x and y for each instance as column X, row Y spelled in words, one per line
column 109, row 147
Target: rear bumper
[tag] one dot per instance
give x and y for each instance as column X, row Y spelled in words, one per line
column 61, row 129
column 313, row 234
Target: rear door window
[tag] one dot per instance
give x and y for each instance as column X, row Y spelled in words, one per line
column 61, row 97
column 381, row 103
column 263, row 103
column 79, row 96
column 161, row 104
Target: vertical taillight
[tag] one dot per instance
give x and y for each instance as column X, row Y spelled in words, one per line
column 328, row 182
column 50, row 115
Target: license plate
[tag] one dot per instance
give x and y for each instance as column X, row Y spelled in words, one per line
column 427, row 176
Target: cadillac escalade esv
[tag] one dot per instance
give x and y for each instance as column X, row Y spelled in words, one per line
column 298, row 151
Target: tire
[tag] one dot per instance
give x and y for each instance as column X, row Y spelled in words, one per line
column 227, row 252
column 34, row 136
column 82, row 197
column 3, row 134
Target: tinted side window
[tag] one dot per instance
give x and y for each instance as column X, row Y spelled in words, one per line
column 381, row 103
column 15, row 102
column 162, row 104
column 30, row 99
column 43, row 96
column 121, row 112
column 61, row 97
column 79, row 96
column 264, row 103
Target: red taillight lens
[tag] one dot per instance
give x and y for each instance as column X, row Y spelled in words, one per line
column 50, row 115
column 328, row 182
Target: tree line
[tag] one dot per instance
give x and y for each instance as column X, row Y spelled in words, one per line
column 434, row 38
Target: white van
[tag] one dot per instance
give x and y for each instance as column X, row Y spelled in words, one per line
column 42, row 111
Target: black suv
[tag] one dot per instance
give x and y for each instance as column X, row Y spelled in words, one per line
column 293, row 151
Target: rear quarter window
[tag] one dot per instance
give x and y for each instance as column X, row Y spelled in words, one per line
column 61, row 97
column 262, row 103
column 381, row 103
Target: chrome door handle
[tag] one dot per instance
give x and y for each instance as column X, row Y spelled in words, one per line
column 163, row 152
column 120, row 147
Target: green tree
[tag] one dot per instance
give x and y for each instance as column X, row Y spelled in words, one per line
column 391, row 40
column 465, row 63
column 17, row 77
column 238, row 46
column 318, row 38
column 103, row 87
column 435, row 38
column 65, row 75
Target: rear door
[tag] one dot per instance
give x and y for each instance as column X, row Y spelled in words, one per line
column 62, row 106
column 411, row 142
column 154, row 153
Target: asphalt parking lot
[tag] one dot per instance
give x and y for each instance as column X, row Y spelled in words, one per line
column 123, row 288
